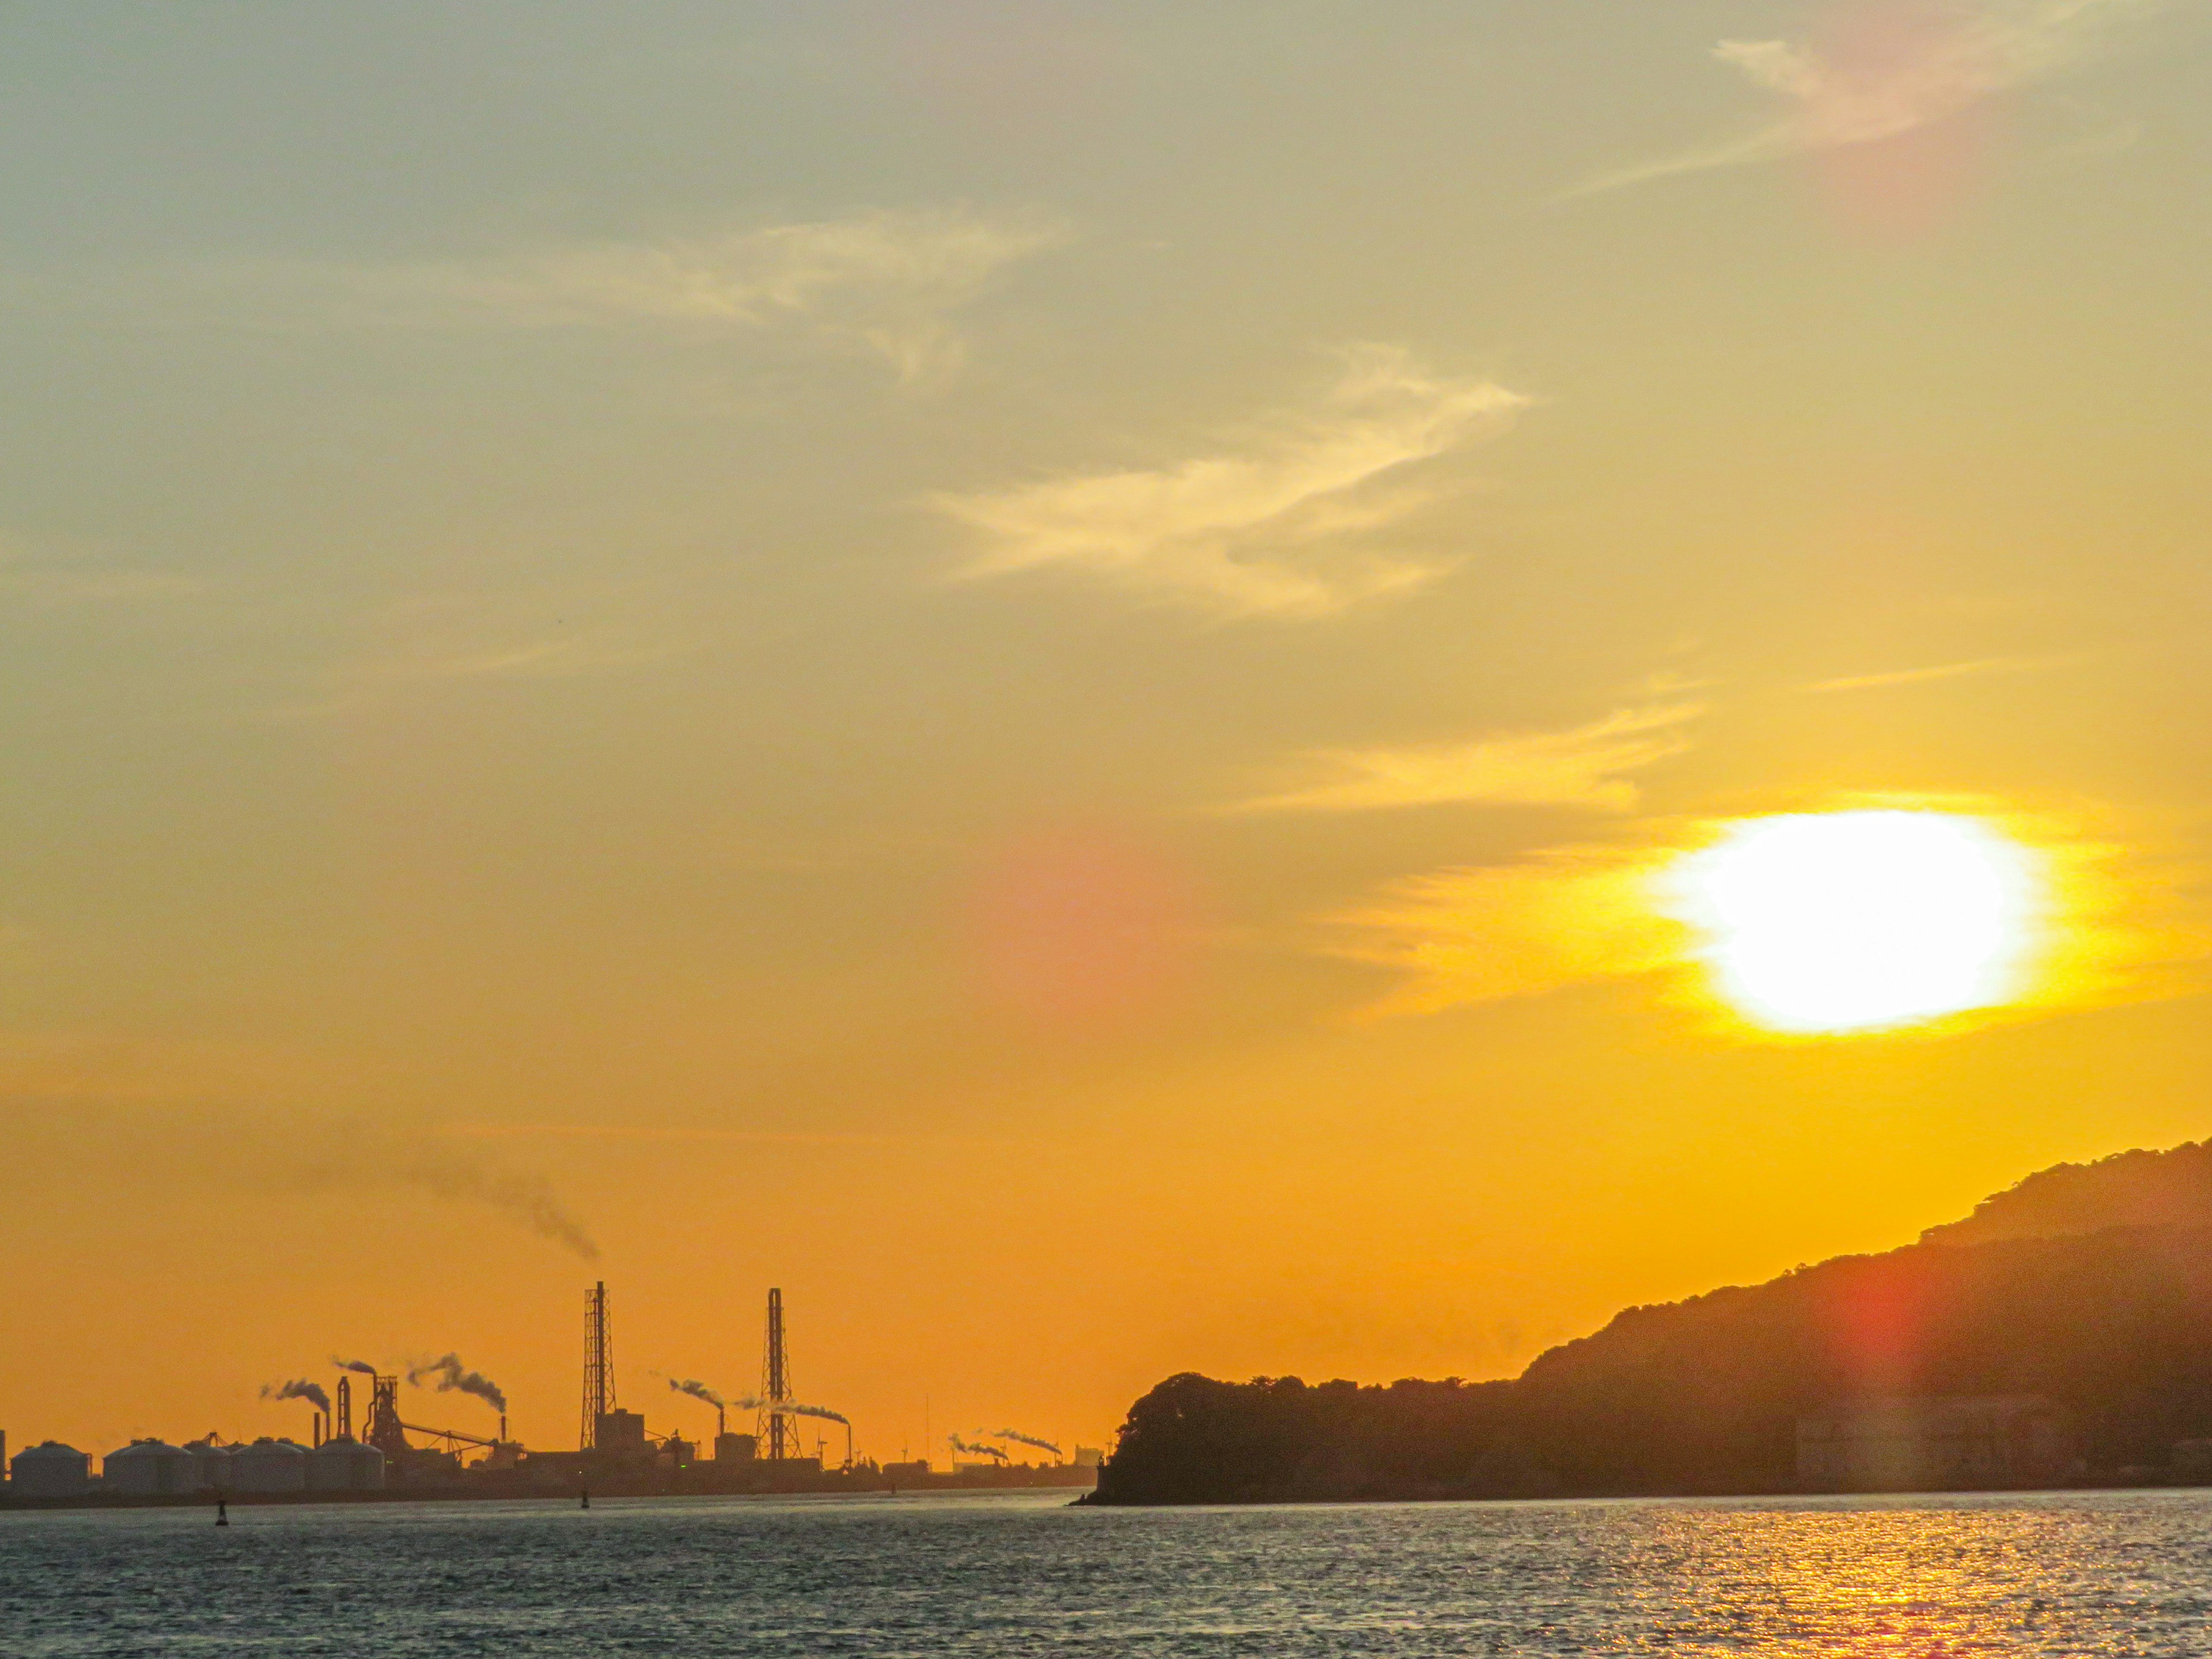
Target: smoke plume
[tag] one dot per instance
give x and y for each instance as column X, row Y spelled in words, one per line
column 341, row 1163
column 301, row 1389
column 753, row 1402
column 360, row 1365
column 1021, row 1439
column 288, row 1153
column 975, row 1449
column 453, row 1377
column 699, row 1391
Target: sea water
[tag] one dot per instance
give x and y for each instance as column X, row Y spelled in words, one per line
column 2104, row 1573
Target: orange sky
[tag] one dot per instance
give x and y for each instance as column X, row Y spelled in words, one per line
column 994, row 663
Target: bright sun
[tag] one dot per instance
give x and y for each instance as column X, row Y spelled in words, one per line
column 1853, row 922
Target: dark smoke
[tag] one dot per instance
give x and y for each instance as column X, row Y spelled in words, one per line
column 360, row 1365
column 698, row 1391
column 280, row 1151
column 354, row 1161
column 821, row 1411
column 1021, row 1439
column 455, row 1377
column 299, row 1389
column 975, row 1450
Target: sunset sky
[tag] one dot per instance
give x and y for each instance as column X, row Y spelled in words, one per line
column 1022, row 667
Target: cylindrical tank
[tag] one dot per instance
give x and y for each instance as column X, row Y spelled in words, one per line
column 50, row 1470
column 269, row 1465
column 345, row 1465
column 210, row 1464
column 150, row 1469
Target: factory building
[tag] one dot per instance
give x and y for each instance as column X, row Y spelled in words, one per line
column 269, row 1465
column 211, row 1462
column 621, row 1434
column 150, row 1468
column 344, row 1464
column 50, row 1470
column 1934, row 1444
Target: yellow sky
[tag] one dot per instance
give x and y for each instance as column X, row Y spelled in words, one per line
column 1017, row 667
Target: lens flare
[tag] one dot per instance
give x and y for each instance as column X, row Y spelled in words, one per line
column 1860, row 920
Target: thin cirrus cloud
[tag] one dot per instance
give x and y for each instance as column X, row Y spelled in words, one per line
column 1565, row 916
column 886, row 281
column 1904, row 68
column 1583, row 766
column 1947, row 671
column 1293, row 523
column 46, row 583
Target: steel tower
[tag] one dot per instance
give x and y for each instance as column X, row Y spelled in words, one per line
column 599, row 1364
column 385, row 1432
column 779, row 1434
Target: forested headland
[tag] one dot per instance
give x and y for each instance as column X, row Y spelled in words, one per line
column 2089, row 1285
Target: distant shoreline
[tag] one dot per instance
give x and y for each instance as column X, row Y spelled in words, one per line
column 405, row 1495
column 1097, row 1500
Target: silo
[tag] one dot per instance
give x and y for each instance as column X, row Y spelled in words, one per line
column 269, row 1465
column 148, row 1468
column 345, row 1465
column 210, row 1464
column 50, row 1470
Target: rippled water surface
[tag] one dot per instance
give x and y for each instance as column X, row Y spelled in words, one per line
column 2092, row 1573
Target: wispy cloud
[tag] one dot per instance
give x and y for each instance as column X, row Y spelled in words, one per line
column 1582, row 767
column 1287, row 524
column 887, row 282
column 540, row 658
column 1905, row 68
column 58, row 582
column 1565, row 916
column 658, row 1135
column 1947, row 671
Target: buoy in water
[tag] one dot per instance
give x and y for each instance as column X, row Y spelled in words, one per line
column 221, row 1513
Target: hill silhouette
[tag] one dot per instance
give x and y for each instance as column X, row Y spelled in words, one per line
column 2172, row 1188
column 2076, row 1287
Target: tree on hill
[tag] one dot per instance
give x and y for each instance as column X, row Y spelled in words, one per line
column 2172, row 1188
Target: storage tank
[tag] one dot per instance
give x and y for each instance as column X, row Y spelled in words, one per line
column 210, row 1464
column 50, row 1470
column 268, row 1464
column 150, row 1468
column 345, row 1465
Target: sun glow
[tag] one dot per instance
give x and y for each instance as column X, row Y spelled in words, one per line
column 1860, row 920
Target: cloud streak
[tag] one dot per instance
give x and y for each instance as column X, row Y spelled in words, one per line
column 1947, row 671
column 1565, row 916
column 1286, row 525
column 1909, row 67
column 883, row 280
column 1582, row 768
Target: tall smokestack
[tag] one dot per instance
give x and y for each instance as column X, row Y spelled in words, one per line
column 599, row 1364
column 778, row 1433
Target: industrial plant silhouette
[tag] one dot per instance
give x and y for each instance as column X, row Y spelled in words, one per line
column 615, row 1453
